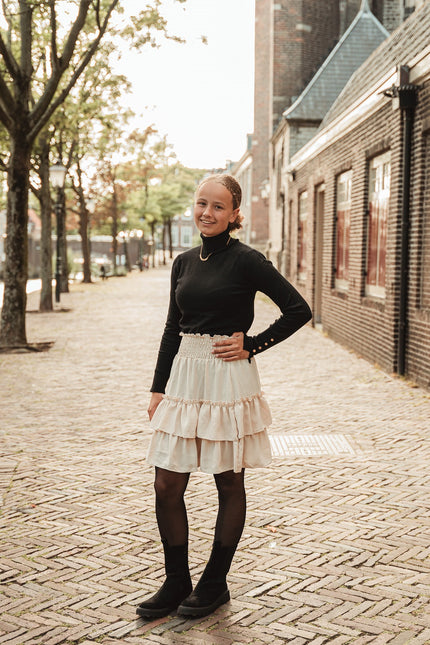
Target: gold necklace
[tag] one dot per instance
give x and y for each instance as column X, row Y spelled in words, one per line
column 208, row 256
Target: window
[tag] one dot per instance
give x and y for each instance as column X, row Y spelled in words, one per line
column 186, row 235
column 302, row 236
column 379, row 194
column 343, row 219
column 279, row 165
column 175, row 236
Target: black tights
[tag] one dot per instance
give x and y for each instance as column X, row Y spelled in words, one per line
column 171, row 512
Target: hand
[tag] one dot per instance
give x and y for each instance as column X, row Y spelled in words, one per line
column 231, row 349
column 156, row 397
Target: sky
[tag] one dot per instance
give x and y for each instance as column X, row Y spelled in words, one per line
column 200, row 96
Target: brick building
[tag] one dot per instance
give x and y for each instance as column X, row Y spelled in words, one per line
column 359, row 203
column 292, row 39
column 301, row 120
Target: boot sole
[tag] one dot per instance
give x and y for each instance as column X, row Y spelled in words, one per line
column 154, row 613
column 184, row 610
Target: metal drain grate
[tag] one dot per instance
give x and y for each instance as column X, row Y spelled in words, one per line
column 287, row 445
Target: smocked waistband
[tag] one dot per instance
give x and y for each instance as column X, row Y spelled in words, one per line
column 198, row 345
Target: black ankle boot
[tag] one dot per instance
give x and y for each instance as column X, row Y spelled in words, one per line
column 211, row 590
column 175, row 588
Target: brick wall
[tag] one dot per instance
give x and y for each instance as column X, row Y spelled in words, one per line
column 390, row 13
column 418, row 354
column 304, row 32
column 348, row 11
column 393, row 14
column 370, row 325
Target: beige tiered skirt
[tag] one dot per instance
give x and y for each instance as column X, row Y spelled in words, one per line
column 213, row 416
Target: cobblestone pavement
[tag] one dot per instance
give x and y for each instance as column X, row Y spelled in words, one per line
column 337, row 542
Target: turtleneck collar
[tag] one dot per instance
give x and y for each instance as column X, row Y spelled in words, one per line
column 215, row 243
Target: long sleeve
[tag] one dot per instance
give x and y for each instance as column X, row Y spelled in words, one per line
column 295, row 311
column 171, row 339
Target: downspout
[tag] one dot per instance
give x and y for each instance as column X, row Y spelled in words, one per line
column 407, row 102
column 405, row 95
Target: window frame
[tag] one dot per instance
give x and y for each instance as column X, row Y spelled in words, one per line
column 343, row 226
column 302, row 230
column 378, row 200
column 186, row 232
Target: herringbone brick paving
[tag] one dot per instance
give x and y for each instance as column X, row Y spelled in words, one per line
column 336, row 548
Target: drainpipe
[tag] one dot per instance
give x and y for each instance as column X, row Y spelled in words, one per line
column 406, row 96
column 407, row 102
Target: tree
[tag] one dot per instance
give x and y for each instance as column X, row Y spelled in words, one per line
column 175, row 195
column 95, row 106
column 66, row 35
column 25, row 109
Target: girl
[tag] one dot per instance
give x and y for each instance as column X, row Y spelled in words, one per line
column 207, row 409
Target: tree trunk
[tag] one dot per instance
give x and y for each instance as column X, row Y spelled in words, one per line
column 84, row 219
column 127, row 257
column 153, row 244
column 63, row 244
column 85, row 243
column 164, row 234
column 13, row 332
column 169, row 231
column 45, row 303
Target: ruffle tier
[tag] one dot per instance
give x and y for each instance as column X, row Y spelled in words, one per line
column 213, row 416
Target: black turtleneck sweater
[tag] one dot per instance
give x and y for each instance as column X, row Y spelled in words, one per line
column 217, row 297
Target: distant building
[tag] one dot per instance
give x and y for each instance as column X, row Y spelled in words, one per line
column 302, row 119
column 34, row 228
column 183, row 231
column 292, row 38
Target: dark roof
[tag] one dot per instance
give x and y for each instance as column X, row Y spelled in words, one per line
column 363, row 35
column 404, row 43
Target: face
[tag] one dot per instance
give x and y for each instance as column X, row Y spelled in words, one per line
column 213, row 209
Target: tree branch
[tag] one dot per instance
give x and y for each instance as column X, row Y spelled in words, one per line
column 25, row 69
column 9, row 23
column 60, row 67
column 71, row 153
column 54, row 54
column 6, row 97
column 44, row 109
column 97, row 11
column 5, row 117
column 10, row 62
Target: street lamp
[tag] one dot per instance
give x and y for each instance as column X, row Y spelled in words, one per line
column 57, row 175
column 124, row 236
